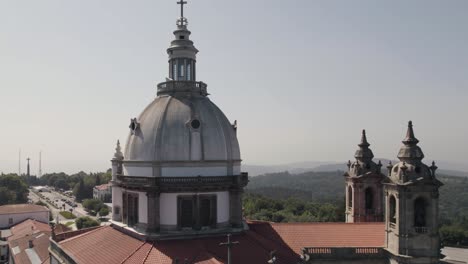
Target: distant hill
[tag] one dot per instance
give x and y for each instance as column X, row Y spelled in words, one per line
column 445, row 168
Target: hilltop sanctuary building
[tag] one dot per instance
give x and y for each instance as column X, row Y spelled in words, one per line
column 177, row 194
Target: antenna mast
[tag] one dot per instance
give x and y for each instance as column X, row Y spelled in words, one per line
column 19, row 162
column 40, row 165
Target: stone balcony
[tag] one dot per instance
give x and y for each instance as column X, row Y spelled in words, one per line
column 182, row 87
column 200, row 183
column 341, row 253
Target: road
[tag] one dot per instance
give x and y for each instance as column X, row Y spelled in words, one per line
column 58, row 200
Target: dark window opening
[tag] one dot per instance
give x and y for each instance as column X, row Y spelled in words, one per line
column 197, row 212
column 350, row 196
column 419, row 212
column 181, row 37
column 392, row 211
column 130, row 209
column 205, row 217
column 186, row 216
column 369, row 196
column 195, row 124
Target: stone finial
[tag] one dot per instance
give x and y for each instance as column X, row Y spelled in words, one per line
column 118, row 151
column 364, row 142
column 364, row 153
column 433, row 168
column 410, row 151
column 410, row 139
column 389, row 168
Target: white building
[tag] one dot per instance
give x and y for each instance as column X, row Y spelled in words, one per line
column 12, row 214
column 102, row 192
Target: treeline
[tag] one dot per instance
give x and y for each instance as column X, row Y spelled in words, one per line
column 14, row 188
column 258, row 207
column 80, row 183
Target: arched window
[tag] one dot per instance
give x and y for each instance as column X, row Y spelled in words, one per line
column 419, row 212
column 369, row 196
column 392, row 210
column 350, row 196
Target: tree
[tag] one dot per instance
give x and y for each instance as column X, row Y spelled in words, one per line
column 104, row 211
column 80, row 190
column 98, row 180
column 13, row 189
column 85, row 222
column 93, row 204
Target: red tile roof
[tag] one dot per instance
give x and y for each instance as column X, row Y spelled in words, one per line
column 27, row 228
column 108, row 245
column 40, row 245
column 30, row 230
column 21, row 208
column 299, row 235
column 102, row 187
column 101, row 245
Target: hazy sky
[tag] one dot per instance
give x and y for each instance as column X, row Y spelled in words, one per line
column 301, row 77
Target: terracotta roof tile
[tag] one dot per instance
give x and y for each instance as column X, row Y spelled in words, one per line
column 40, row 246
column 102, row 186
column 102, row 245
column 28, row 227
column 21, row 208
column 108, row 245
column 299, row 235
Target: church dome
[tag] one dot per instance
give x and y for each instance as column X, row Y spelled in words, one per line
column 182, row 127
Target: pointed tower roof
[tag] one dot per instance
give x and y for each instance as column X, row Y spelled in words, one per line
column 410, row 151
column 118, row 151
column 364, row 153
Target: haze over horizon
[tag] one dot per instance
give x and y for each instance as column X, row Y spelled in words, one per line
column 301, row 79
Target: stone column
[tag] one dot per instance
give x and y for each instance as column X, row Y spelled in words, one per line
column 235, row 207
column 153, row 211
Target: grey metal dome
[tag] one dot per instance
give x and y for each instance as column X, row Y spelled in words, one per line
column 165, row 130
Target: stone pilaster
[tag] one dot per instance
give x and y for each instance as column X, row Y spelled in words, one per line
column 235, row 204
column 153, row 212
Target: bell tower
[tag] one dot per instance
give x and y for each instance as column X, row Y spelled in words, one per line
column 412, row 205
column 363, row 186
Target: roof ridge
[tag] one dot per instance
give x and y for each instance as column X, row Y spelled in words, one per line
column 82, row 234
column 134, row 251
column 149, row 251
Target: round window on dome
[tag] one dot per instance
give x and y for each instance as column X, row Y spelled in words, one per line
column 195, row 124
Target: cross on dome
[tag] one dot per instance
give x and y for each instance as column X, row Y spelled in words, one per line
column 182, row 20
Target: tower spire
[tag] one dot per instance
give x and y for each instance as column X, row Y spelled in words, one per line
column 410, row 138
column 410, row 151
column 364, row 153
column 364, row 142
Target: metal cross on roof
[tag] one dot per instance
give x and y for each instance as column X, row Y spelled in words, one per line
column 181, row 3
column 229, row 244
